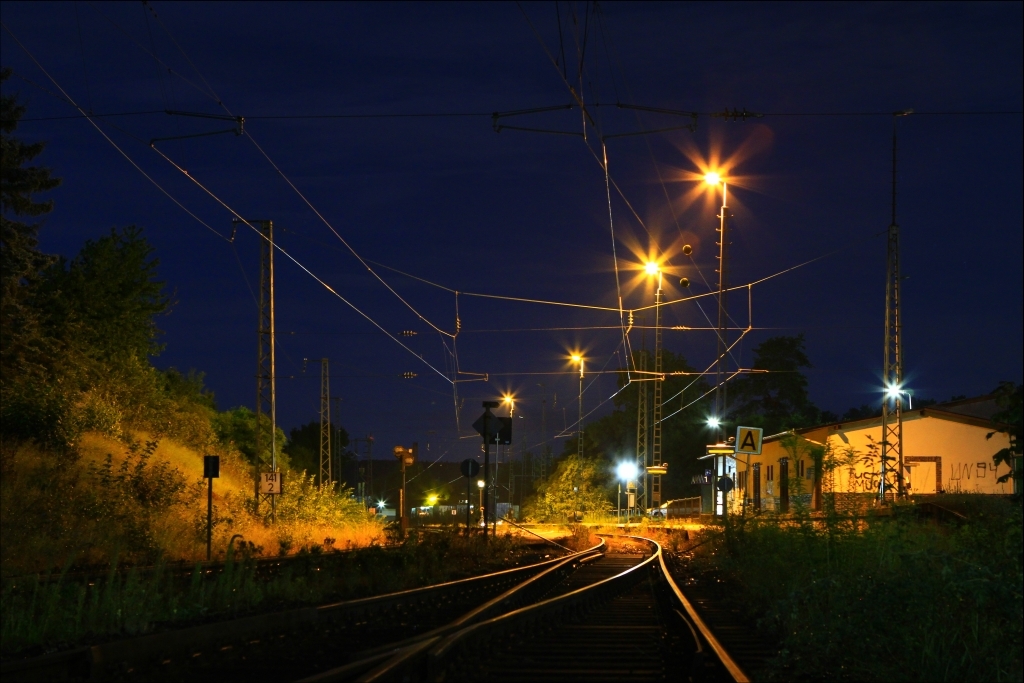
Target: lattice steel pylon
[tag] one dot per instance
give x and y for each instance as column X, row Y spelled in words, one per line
column 266, row 386
column 325, row 424
column 641, row 431
column 892, row 362
column 658, row 386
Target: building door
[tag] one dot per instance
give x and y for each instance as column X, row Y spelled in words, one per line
column 921, row 477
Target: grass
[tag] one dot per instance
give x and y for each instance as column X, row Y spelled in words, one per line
column 145, row 503
column 40, row 616
column 882, row 598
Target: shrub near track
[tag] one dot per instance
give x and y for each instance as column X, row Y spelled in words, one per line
column 885, row 598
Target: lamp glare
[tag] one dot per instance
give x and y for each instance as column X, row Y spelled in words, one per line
column 626, row 471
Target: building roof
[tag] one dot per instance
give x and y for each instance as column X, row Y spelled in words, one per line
column 980, row 406
column 976, row 411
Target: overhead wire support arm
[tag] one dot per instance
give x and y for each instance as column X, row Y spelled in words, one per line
column 238, row 130
column 692, row 127
column 519, row 112
column 735, row 114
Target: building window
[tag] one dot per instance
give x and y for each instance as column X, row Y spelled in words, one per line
column 769, row 474
column 799, row 468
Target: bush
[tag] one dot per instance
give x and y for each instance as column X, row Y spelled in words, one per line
column 883, row 598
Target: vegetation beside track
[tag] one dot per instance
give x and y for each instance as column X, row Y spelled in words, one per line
column 44, row 616
column 860, row 599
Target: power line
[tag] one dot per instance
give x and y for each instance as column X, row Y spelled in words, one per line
column 299, row 264
column 480, row 114
column 68, row 99
column 213, row 196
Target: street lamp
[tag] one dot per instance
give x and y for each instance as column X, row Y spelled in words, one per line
column 625, row 472
column 480, row 485
column 578, row 358
column 714, row 179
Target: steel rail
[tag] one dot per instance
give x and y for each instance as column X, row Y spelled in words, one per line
column 738, row 675
column 89, row 660
column 507, row 601
column 429, row 659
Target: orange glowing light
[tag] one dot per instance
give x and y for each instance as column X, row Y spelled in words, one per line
column 651, row 267
column 712, row 178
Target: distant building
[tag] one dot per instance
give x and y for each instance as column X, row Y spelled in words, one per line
column 947, row 448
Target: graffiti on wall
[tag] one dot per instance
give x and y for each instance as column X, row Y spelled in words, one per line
column 966, row 470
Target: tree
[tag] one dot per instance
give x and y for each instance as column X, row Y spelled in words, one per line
column 105, row 301
column 578, row 483
column 303, row 446
column 20, row 258
column 776, row 400
column 1010, row 398
column 237, row 428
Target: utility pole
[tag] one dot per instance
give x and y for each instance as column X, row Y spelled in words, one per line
column 546, row 453
column 369, row 463
column 266, row 387
column 336, row 439
column 892, row 362
column 368, row 471
column 488, row 481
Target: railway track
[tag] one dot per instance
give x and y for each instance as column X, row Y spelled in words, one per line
column 292, row 643
column 613, row 612
column 619, row 617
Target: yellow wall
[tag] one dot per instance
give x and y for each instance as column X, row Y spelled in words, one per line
column 965, row 453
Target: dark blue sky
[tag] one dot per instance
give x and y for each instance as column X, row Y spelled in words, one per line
column 526, row 215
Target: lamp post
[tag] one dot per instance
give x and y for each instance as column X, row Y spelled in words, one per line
column 626, row 472
column 578, row 358
column 480, row 485
column 406, row 456
column 717, row 420
column 510, row 401
column 714, row 179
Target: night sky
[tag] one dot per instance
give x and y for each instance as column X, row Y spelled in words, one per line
column 525, row 214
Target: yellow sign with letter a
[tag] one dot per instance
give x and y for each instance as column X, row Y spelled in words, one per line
column 748, row 440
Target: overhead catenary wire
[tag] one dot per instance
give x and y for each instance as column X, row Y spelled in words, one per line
column 212, row 195
column 287, row 255
column 148, row 52
column 212, row 93
column 72, row 102
column 620, row 309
